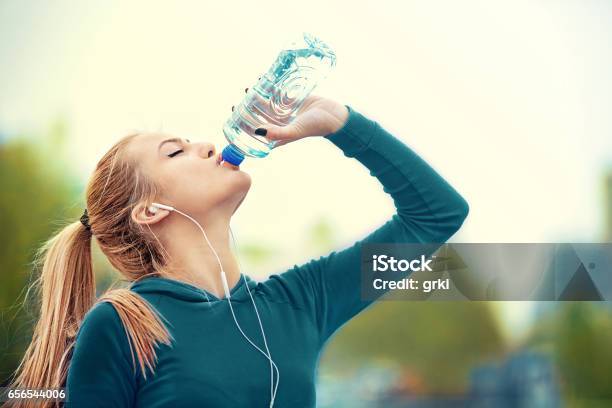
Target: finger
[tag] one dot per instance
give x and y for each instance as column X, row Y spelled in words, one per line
column 274, row 132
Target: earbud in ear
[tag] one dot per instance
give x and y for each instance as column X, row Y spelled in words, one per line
column 156, row 206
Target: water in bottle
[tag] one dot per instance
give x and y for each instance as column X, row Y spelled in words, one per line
column 276, row 97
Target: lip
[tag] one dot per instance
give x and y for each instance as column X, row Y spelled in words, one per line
column 222, row 163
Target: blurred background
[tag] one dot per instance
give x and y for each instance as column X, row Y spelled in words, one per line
column 508, row 100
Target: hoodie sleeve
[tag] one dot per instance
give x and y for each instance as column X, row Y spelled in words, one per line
column 101, row 372
column 428, row 210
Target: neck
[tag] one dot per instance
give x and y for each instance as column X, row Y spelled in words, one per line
column 191, row 259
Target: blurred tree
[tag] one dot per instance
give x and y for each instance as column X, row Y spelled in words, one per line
column 35, row 192
column 438, row 341
column 583, row 349
column 255, row 254
column 579, row 335
column 320, row 237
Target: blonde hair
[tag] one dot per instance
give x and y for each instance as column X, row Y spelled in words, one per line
column 66, row 283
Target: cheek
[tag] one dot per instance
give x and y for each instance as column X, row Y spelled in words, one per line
column 206, row 191
column 185, row 186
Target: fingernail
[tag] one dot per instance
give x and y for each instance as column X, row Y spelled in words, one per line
column 232, row 108
column 261, row 131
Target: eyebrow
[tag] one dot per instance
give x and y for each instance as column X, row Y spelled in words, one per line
column 172, row 140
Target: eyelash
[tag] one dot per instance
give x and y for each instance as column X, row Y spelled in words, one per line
column 175, row 153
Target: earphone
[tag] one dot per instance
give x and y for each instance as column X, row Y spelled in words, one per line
column 153, row 208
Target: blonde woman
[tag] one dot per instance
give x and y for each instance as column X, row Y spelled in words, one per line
column 170, row 339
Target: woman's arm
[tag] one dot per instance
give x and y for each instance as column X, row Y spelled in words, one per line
column 101, row 372
column 428, row 210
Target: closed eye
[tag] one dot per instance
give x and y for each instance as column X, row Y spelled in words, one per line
column 175, row 153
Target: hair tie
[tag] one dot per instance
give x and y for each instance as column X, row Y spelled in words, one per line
column 85, row 220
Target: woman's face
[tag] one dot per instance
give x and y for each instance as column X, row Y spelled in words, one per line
column 191, row 176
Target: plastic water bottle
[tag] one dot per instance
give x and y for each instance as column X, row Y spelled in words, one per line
column 276, row 97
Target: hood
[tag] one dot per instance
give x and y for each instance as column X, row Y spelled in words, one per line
column 186, row 292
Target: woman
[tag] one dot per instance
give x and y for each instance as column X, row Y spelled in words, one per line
column 169, row 340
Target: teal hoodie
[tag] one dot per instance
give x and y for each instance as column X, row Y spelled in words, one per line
column 209, row 363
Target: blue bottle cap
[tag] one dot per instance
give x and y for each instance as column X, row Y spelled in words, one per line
column 232, row 155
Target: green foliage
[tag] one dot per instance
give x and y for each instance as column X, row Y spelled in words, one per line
column 35, row 194
column 255, row 253
column 437, row 341
column 321, row 235
column 583, row 349
column 579, row 335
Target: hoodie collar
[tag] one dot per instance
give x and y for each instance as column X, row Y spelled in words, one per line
column 188, row 292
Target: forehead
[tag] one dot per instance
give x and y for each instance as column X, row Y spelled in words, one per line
column 143, row 147
column 147, row 143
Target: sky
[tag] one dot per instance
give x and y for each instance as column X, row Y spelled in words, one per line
column 508, row 100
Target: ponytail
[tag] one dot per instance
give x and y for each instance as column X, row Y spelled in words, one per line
column 67, row 291
column 66, row 283
column 67, row 288
column 143, row 327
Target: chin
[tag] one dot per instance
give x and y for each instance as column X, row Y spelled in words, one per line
column 243, row 181
column 240, row 186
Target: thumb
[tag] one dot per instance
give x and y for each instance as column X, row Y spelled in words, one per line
column 274, row 132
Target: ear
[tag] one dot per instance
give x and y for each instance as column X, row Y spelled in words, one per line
column 141, row 214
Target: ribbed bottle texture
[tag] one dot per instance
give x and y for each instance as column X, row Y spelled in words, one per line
column 276, row 97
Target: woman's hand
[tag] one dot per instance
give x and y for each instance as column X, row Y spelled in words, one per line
column 317, row 116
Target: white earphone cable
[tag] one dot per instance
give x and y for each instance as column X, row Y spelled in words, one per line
column 273, row 366
column 260, row 326
column 273, row 393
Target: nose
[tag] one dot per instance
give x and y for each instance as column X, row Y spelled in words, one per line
column 207, row 150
